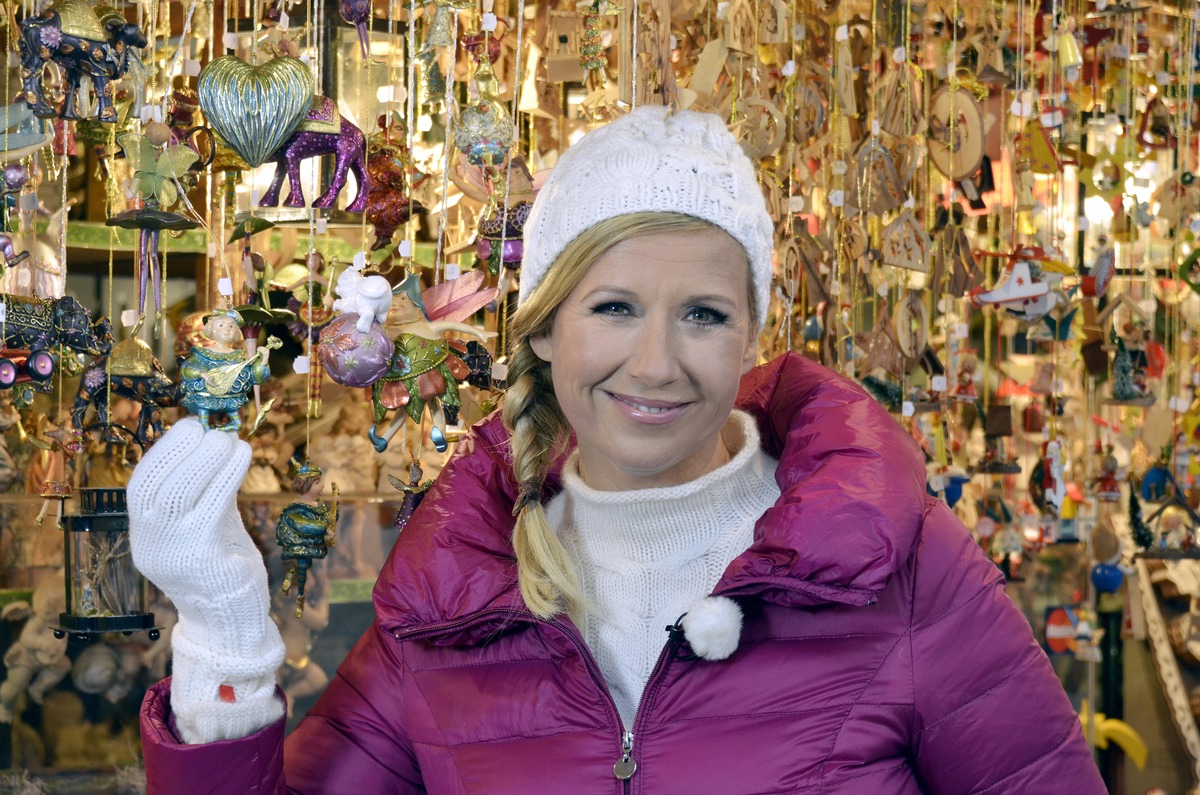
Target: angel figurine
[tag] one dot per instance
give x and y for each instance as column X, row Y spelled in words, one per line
column 306, row 529
column 425, row 367
column 218, row 379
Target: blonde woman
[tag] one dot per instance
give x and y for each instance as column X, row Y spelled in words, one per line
column 660, row 570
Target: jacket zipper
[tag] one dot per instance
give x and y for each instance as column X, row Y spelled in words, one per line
column 625, row 754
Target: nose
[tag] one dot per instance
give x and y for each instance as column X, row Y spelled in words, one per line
column 654, row 360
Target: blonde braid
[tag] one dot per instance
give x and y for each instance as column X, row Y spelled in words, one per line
column 545, row 572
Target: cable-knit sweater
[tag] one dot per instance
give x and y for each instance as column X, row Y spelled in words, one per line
column 645, row 556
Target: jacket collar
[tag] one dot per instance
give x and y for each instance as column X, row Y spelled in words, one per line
column 852, row 491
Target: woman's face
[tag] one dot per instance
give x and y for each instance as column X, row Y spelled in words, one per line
column 646, row 354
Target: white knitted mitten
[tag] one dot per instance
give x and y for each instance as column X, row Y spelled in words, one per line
column 188, row 539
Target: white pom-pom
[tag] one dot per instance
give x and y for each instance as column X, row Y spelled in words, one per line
column 713, row 627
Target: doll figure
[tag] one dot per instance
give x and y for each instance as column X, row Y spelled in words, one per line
column 58, row 444
column 218, row 379
column 964, row 387
column 1107, row 484
column 306, row 529
column 37, row 661
column 414, row 490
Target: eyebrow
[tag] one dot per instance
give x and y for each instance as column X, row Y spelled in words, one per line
column 621, row 292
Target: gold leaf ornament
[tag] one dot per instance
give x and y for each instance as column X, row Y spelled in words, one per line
column 255, row 109
column 155, row 175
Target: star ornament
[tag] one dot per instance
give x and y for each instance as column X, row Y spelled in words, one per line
column 155, row 174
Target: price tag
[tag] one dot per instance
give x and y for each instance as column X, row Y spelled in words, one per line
column 939, row 383
column 882, row 289
column 788, row 69
column 1194, row 226
column 837, row 198
column 908, row 409
column 910, row 202
column 488, row 22
column 1196, row 378
column 3, row 311
column 254, row 196
column 796, row 204
column 212, row 250
column 129, row 318
column 1185, row 336
column 284, row 20
column 29, row 201
column 191, row 67
column 937, row 483
column 843, row 33
column 899, row 55
column 230, row 40
column 839, row 167
column 1162, row 78
column 360, row 260
column 499, row 371
column 225, row 286
column 145, row 114
column 405, row 248
column 300, row 365
column 961, row 330
column 1082, row 224
column 452, row 271
column 305, row 58
column 322, row 226
column 673, row 42
column 799, row 32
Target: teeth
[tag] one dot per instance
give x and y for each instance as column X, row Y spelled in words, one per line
column 646, row 409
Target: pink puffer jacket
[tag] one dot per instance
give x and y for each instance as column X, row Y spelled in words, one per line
column 880, row 653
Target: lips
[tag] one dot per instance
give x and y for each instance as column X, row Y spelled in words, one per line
column 646, row 411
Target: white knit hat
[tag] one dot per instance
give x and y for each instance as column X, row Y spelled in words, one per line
column 651, row 160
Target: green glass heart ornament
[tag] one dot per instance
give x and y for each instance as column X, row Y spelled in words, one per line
column 255, row 108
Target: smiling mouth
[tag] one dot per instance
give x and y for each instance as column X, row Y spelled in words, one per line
column 647, row 406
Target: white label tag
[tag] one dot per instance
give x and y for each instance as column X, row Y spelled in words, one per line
column 129, row 318
column 300, row 365
column 908, row 409
column 499, row 371
column 789, row 68
column 937, row 483
column 230, row 40
column 3, row 311
column 939, row 383
column 1196, row 378
column 360, row 260
column 29, row 201
column 837, row 198
column 254, row 197
column 488, row 22
column 799, row 32
column 1194, row 226
column 1082, row 224
column 961, row 330
column 796, row 204
column 899, row 55
column 1162, row 78
column 405, row 248
column 212, row 250
column 191, row 67
column 451, row 271
column 322, row 226
column 1185, row 336
column 839, row 167
column 882, row 289
column 225, row 286
column 284, row 21
column 843, row 33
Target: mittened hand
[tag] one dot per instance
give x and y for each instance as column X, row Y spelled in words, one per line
column 187, row 538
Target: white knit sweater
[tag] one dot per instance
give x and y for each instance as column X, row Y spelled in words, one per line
column 645, row 556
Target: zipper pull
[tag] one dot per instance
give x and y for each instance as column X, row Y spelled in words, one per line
column 626, row 766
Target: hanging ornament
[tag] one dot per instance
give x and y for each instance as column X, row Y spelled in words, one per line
column 956, row 131
column 306, row 529
column 80, row 41
column 484, row 130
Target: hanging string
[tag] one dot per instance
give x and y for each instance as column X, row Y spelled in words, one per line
column 448, row 146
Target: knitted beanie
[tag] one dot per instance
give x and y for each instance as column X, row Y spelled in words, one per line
column 651, row 160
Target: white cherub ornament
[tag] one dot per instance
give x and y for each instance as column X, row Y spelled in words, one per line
column 370, row 297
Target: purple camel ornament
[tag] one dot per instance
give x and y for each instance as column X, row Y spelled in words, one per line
column 324, row 131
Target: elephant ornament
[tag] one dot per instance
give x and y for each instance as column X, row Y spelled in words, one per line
column 81, row 40
column 131, row 371
column 323, row 131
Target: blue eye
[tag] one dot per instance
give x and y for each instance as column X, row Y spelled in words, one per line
column 706, row 316
column 613, row 309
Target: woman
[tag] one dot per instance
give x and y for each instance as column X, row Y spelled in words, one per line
column 840, row 632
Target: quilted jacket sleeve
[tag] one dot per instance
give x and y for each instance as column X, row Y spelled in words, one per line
column 991, row 717
column 346, row 743
column 351, row 740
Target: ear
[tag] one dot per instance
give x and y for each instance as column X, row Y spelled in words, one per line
column 541, row 344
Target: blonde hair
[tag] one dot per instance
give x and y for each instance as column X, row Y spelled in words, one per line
column 531, row 411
